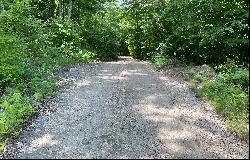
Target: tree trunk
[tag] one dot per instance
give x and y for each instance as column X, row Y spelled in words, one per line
column 1, row 6
column 52, row 8
column 60, row 6
column 70, row 9
column 63, row 9
column 78, row 12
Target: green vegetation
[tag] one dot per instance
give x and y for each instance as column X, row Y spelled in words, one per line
column 197, row 32
column 230, row 95
column 227, row 88
column 39, row 37
column 15, row 108
column 161, row 61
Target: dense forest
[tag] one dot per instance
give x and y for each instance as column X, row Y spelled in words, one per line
column 37, row 37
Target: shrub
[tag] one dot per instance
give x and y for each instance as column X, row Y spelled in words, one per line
column 232, row 102
column 161, row 61
column 230, row 94
column 14, row 108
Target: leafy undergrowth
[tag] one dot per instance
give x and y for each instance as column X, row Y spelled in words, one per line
column 30, row 53
column 15, row 108
column 33, row 81
column 162, row 62
column 33, row 46
column 228, row 90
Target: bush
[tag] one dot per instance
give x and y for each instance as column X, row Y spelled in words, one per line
column 11, row 60
column 233, row 103
column 14, row 108
column 233, row 74
column 161, row 61
column 229, row 92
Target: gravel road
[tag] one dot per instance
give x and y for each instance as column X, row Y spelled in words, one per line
column 125, row 109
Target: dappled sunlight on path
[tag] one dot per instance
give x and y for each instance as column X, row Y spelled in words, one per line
column 124, row 109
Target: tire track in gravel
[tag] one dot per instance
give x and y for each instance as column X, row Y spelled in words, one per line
column 124, row 109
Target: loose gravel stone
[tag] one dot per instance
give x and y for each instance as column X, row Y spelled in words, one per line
column 125, row 109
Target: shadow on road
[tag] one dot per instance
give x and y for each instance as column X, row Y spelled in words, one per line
column 125, row 110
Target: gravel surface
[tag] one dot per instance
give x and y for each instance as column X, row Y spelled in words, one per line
column 124, row 109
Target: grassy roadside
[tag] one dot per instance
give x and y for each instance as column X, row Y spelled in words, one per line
column 17, row 102
column 226, row 86
column 26, row 76
column 29, row 56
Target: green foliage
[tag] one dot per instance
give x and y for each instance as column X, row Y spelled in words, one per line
column 232, row 74
column 232, row 102
column 229, row 92
column 104, row 35
column 33, row 46
column 35, row 41
column 201, row 31
column 14, row 109
column 161, row 61
column 201, row 77
column 11, row 56
column 132, row 51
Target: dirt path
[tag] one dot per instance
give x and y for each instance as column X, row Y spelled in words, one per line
column 125, row 109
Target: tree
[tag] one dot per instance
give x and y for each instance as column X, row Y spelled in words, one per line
column 60, row 9
column 1, row 7
column 52, row 8
column 70, row 5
